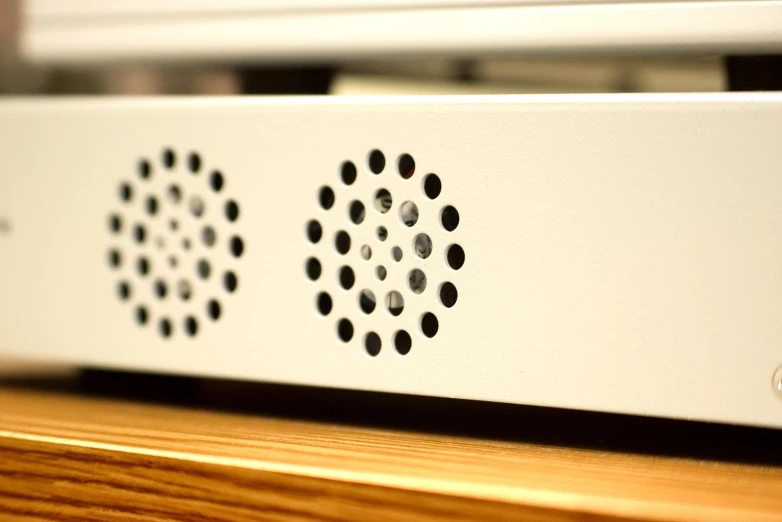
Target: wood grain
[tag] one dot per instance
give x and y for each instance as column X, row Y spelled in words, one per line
column 73, row 458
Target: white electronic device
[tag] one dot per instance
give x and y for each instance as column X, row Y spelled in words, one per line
column 84, row 31
column 616, row 253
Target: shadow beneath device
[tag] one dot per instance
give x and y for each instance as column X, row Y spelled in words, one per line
column 551, row 426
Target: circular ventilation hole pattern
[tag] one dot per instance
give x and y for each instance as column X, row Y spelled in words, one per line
column 150, row 238
column 413, row 265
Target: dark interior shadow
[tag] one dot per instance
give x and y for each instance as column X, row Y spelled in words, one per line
column 570, row 428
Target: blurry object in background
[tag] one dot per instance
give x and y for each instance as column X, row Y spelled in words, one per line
column 306, row 31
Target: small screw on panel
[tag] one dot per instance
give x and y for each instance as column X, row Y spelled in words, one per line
column 776, row 382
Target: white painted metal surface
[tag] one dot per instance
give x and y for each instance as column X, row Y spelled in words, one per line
column 622, row 253
column 60, row 31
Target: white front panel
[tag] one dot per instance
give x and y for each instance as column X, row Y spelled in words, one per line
column 622, row 253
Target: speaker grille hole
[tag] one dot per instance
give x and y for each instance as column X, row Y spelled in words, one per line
column 383, row 201
column 347, row 278
column 161, row 269
column 372, row 344
column 403, row 342
column 326, row 198
column 342, row 242
column 124, row 290
column 408, row 212
column 395, row 303
column 416, row 260
column 191, row 326
column 115, row 259
column 213, row 310
column 314, row 231
column 348, row 173
column 406, row 166
column 417, row 281
column 367, row 301
column 142, row 315
column 313, row 269
column 455, row 257
column 230, row 282
column 429, row 324
column 448, row 294
column 194, row 162
column 216, row 181
column 422, row 244
column 357, row 212
column 165, row 328
column 345, row 330
column 169, row 159
column 237, row 246
column 432, row 186
column 115, row 224
column 450, row 218
column 232, row 210
column 377, row 161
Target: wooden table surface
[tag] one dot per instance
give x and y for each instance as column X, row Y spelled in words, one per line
column 71, row 457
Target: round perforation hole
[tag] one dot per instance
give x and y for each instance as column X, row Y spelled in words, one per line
column 408, row 213
column 432, row 186
column 449, row 218
column 429, row 324
column 324, row 303
column 395, row 303
column 326, row 198
column 115, row 224
column 313, row 269
column 367, row 301
column 144, row 169
column 403, row 342
column 383, row 201
column 416, row 280
column 314, row 231
column 348, row 173
column 382, row 233
column 347, row 278
column 422, row 245
column 406, row 166
column 191, row 326
column 342, row 242
column 194, row 162
column 455, row 257
column 377, row 161
column 169, row 158
column 166, row 328
column 345, row 330
column 357, row 212
column 115, row 258
column 372, row 344
column 448, row 294
column 366, row 252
